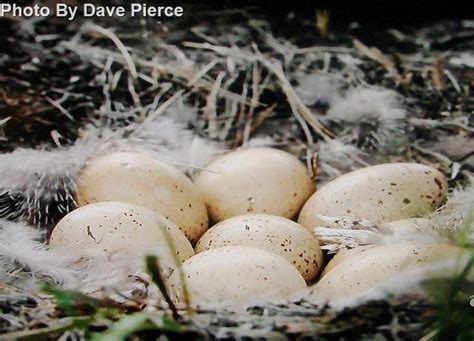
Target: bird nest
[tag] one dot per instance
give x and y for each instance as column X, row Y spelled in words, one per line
column 185, row 89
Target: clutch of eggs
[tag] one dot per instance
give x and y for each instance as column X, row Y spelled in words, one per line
column 133, row 203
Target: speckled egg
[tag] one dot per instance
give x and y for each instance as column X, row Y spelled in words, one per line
column 343, row 255
column 144, row 181
column 271, row 233
column 255, row 180
column 361, row 270
column 120, row 227
column 237, row 276
column 378, row 193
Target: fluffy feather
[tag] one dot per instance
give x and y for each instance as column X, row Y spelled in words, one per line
column 39, row 184
column 337, row 158
column 315, row 87
column 456, row 215
column 26, row 262
column 375, row 116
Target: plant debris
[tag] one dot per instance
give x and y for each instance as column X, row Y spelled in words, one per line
column 397, row 317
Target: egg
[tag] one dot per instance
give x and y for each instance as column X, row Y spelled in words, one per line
column 120, row 227
column 142, row 180
column 380, row 193
column 271, row 233
column 236, row 276
column 255, row 180
column 344, row 254
column 362, row 269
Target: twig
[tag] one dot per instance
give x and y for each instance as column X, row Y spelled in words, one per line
column 292, row 96
column 60, row 108
column 453, row 80
column 435, row 123
column 254, row 99
column 96, row 52
column 437, row 71
column 201, row 73
column 318, row 49
column 261, row 117
column 322, row 22
column 198, row 31
column 309, row 138
column 377, row 55
column 211, row 104
column 164, row 106
column 133, row 92
column 5, row 120
column 123, row 49
column 432, row 153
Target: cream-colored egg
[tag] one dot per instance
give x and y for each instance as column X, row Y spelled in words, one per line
column 378, row 193
column 343, row 255
column 121, row 227
column 237, row 275
column 255, row 180
column 361, row 270
column 271, row 233
column 404, row 226
column 144, row 181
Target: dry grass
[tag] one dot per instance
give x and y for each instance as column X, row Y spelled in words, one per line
column 240, row 84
